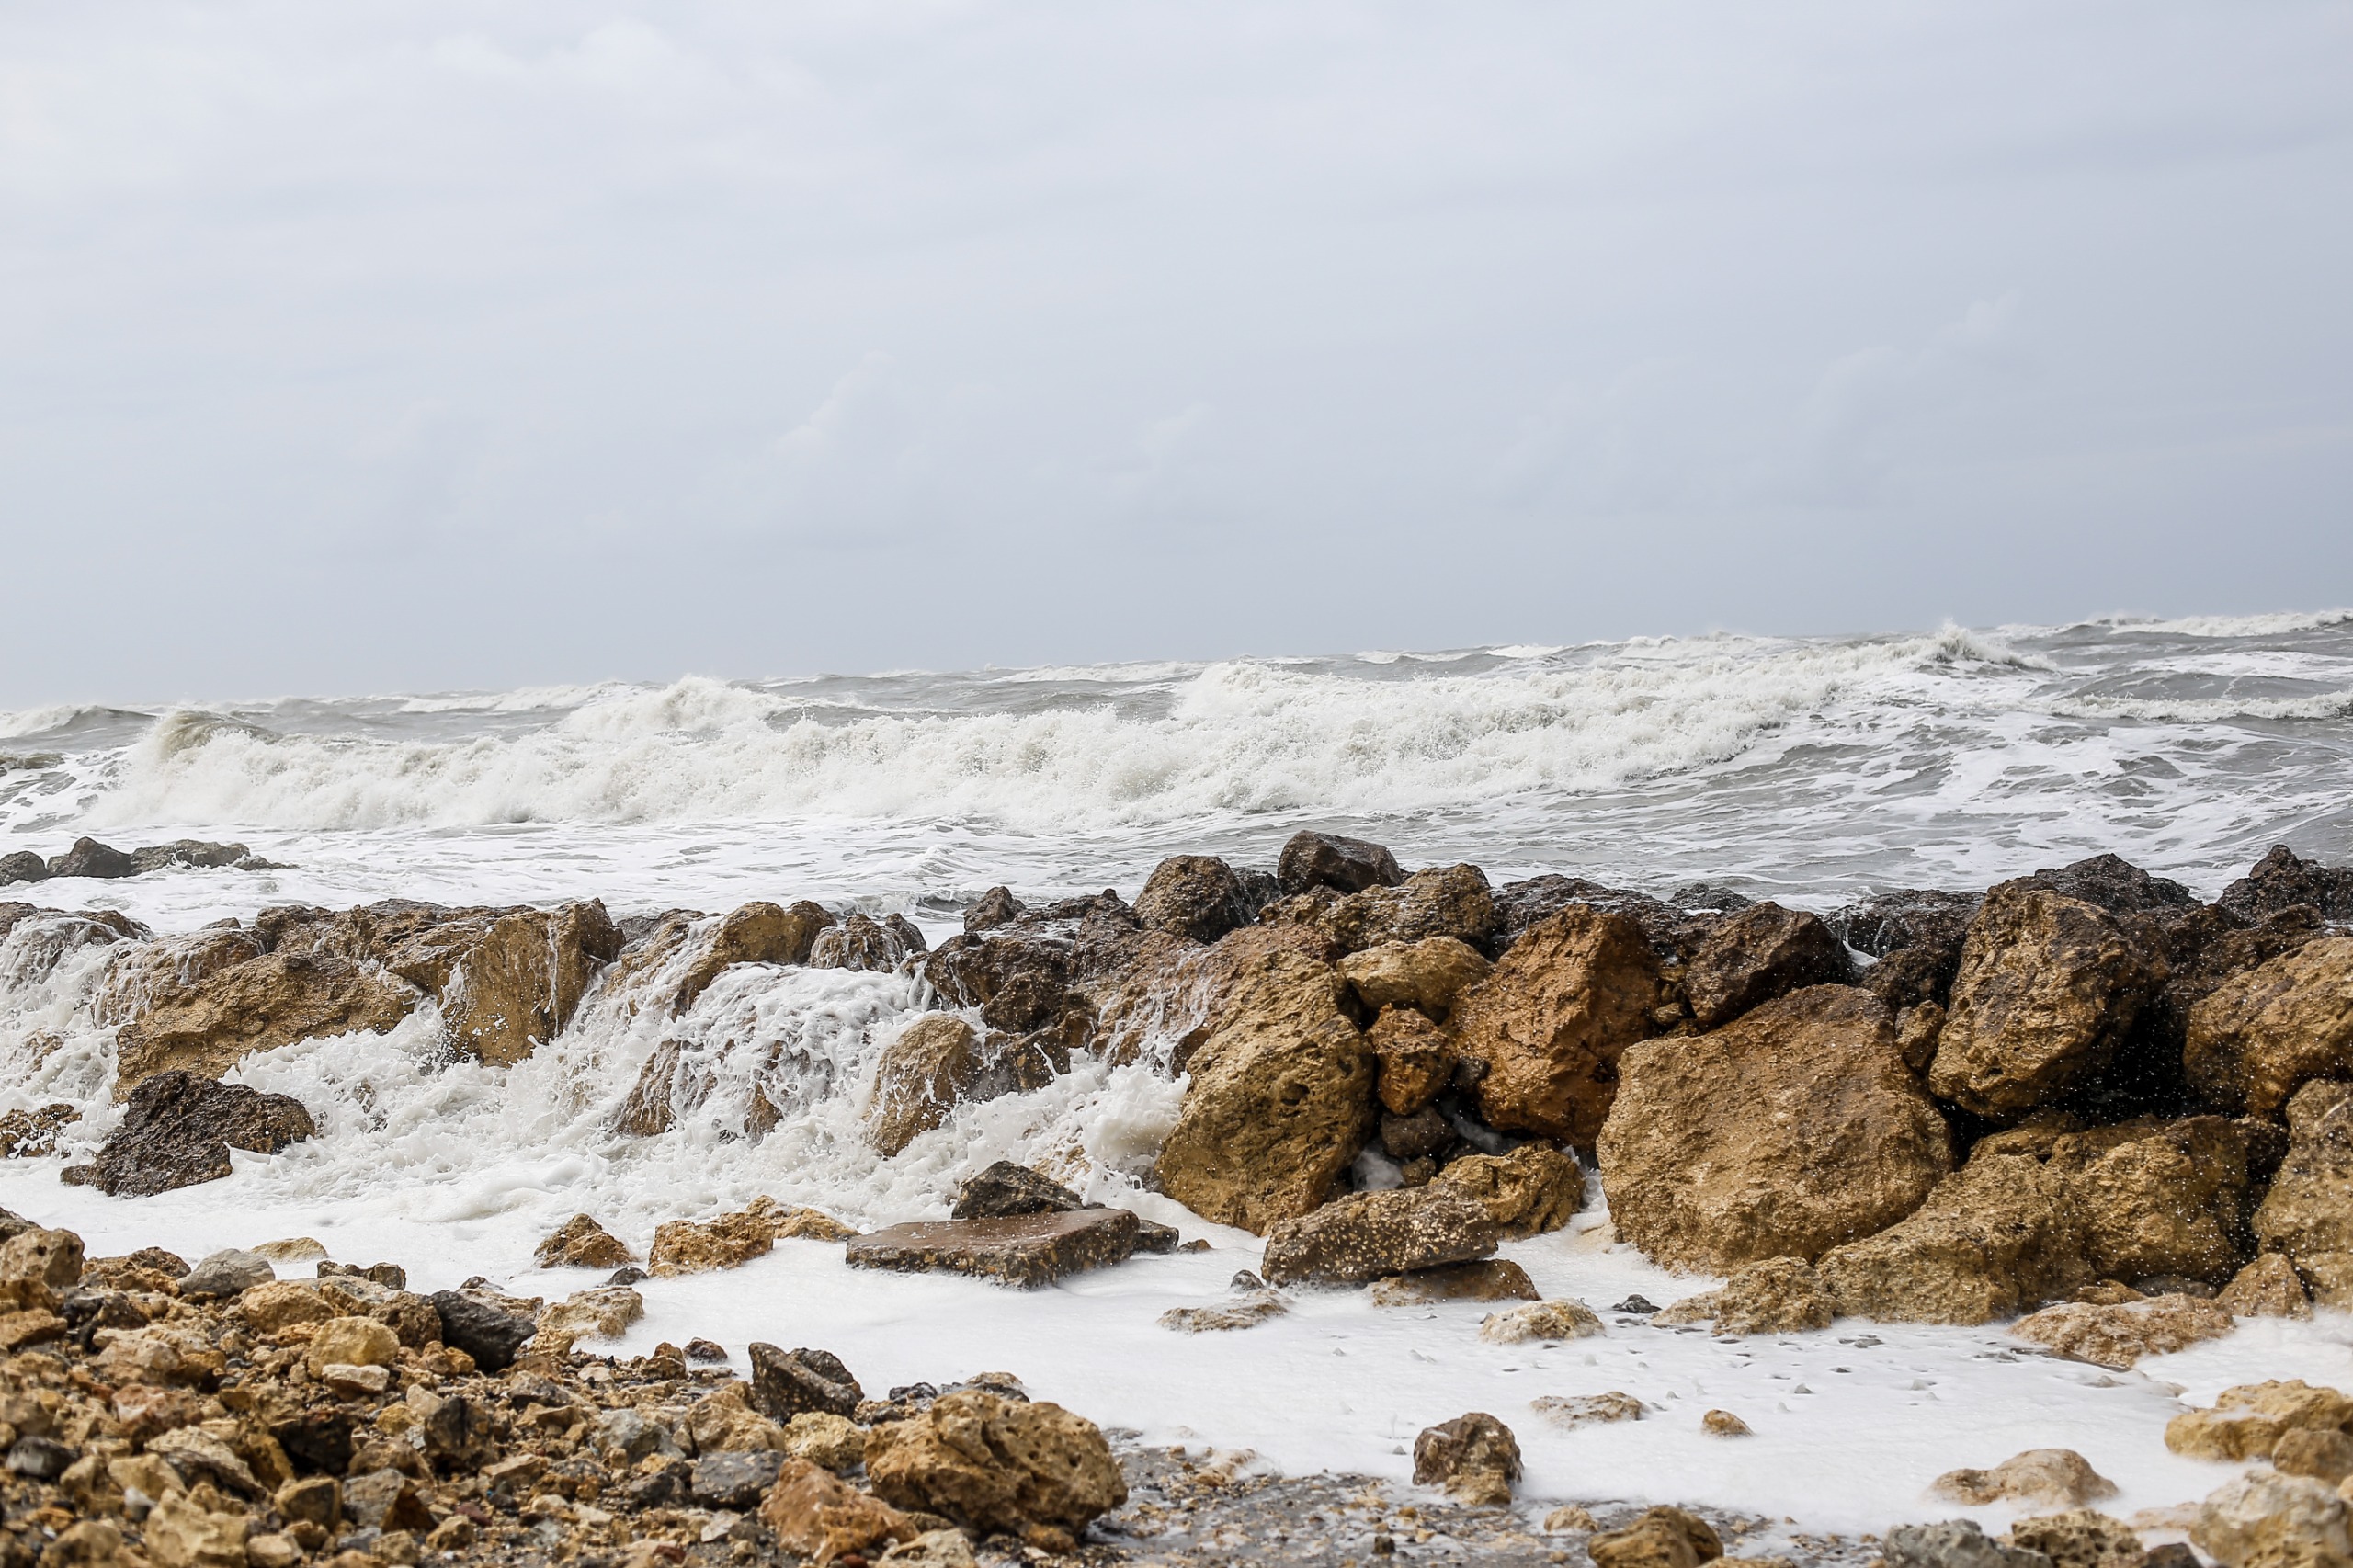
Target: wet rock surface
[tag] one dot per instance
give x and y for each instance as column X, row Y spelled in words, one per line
column 178, row 1130
column 1025, row 1249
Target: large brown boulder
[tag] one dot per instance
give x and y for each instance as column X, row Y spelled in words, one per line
column 178, row 1130
column 1552, row 1021
column 1992, row 1239
column 1526, row 1192
column 1281, row 1097
column 1427, row 976
column 2041, row 1209
column 1197, row 897
column 2048, row 990
column 2283, row 880
column 1416, row 1059
column 1760, row 953
column 1178, row 992
column 995, row 1464
column 1444, row 901
column 2308, row 1214
column 1785, row 1134
column 2261, row 1034
column 259, row 1005
column 517, row 987
column 940, row 1061
column 144, row 974
column 1327, row 860
column 1363, row 1236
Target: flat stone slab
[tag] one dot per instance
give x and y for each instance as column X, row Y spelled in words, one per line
column 1020, row 1249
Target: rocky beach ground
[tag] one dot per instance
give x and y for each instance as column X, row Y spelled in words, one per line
column 2083, row 1104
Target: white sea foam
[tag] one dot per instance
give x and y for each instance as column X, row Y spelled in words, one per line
column 1245, row 736
column 2279, row 624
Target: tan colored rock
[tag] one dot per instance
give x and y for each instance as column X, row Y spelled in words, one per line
column 2269, row 1520
column 260, row 1005
column 2325, row 1456
column 1725, row 1424
column 730, row 1241
column 1791, row 1130
column 938, row 1063
column 2058, row 1477
column 1177, row 994
column 1442, row 901
column 1362, row 1236
column 2309, row 1210
column 2048, row 988
column 353, row 1342
column 2263, row 1033
column 2329, row 1276
column 989, row 1464
column 1760, row 953
column 517, row 987
column 2167, row 1198
column 2079, row 1537
column 178, row 1534
column 1495, row 1279
column 1569, row 1411
column 862, row 942
column 1526, row 1192
column 1474, row 1456
column 1778, row 1295
column 1570, row 1519
column 1245, row 1311
column 142, row 975
column 292, row 1249
column 756, row 933
column 49, row 1260
column 2118, row 1335
column 1993, row 1238
column 581, row 1243
column 2268, row 1287
column 818, row 1518
column 822, row 1438
column 797, row 1221
column 605, row 1313
column 1661, row 1537
column 724, row 1422
column 281, row 1304
column 2248, row 1421
column 1545, row 1319
column 1551, row 1022
column 1281, row 1096
column 1427, row 976
column 1415, row 1060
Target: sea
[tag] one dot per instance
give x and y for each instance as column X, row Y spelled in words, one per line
column 1809, row 770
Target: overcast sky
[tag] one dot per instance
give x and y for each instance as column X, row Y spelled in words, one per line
column 378, row 344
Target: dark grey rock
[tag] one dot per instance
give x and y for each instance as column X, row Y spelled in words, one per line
column 40, row 1458
column 229, row 1272
column 1327, row 860
column 178, row 1130
column 22, row 866
column 1007, row 1189
column 786, row 1382
column 88, row 857
column 1955, row 1543
column 492, row 1336
column 738, row 1478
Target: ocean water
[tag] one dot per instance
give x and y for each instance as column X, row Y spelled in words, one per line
column 1808, row 770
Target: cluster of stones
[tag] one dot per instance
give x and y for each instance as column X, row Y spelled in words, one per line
column 222, row 1418
column 88, row 857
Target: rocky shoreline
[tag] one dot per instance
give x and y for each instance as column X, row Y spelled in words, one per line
column 2082, row 1100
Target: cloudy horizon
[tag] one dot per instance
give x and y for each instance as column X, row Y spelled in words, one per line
column 456, row 345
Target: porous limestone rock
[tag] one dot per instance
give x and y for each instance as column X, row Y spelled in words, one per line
column 2117, row 1334
column 2308, row 1213
column 861, row 942
column 1197, row 897
column 2262, row 1034
column 1491, row 1280
column 1415, row 1060
column 516, row 988
column 991, row 1464
column 818, row 1518
column 2268, row 1287
column 2271, row 1520
column 258, row 1004
column 1474, row 1457
column 1327, row 860
column 1443, row 900
column 2048, row 989
column 1761, row 952
column 1660, row 1538
column 938, row 1063
column 2057, row 1477
column 1725, row 1424
column 1526, row 1192
column 1775, row 1295
column 1552, row 1021
column 1788, row 1131
column 1281, row 1097
column 730, row 1240
column 1955, row 1543
column 2079, row 1537
column 178, row 1130
column 1364, row 1235
column 1544, row 1320
column 2248, row 1421
column 581, row 1243
column 1571, row 1411
column 1427, row 976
